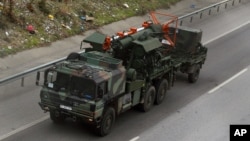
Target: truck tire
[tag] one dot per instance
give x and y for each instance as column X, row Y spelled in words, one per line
column 193, row 77
column 161, row 90
column 73, row 56
column 149, row 99
column 56, row 116
column 107, row 122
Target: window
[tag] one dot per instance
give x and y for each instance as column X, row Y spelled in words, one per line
column 85, row 87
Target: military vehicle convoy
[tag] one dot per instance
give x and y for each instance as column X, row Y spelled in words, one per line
column 132, row 68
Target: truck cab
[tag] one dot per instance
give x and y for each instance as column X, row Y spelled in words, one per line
column 83, row 89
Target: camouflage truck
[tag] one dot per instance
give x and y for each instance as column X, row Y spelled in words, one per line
column 131, row 68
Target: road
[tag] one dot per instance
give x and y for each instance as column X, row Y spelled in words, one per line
column 188, row 113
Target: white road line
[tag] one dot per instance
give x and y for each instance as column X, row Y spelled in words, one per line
column 23, row 127
column 228, row 80
column 232, row 30
column 135, row 138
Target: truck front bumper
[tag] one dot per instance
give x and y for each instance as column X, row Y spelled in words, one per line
column 71, row 113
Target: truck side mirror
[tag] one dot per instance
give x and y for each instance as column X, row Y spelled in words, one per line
column 37, row 78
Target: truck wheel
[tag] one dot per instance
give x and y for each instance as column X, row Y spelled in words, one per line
column 107, row 122
column 149, row 99
column 161, row 90
column 193, row 77
column 56, row 116
column 73, row 56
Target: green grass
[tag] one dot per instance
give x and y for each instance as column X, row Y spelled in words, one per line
column 31, row 42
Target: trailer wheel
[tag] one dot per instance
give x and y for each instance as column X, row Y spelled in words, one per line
column 73, row 56
column 193, row 77
column 56, row 116
column 161, row 90
column 149, row 99
column 107, row 122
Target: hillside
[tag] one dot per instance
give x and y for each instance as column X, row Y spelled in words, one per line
column 28, row 24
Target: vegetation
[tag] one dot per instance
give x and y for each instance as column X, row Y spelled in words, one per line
column 26, row 24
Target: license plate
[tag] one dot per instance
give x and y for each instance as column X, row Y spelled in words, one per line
column 66, row 107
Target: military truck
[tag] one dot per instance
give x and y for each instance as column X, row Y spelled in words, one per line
column 132, row 68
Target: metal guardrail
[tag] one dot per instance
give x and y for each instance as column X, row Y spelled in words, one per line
column 27, row 72
column 208, row 8
column 181, row 18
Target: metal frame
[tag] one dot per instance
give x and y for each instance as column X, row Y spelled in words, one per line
column 181, row 18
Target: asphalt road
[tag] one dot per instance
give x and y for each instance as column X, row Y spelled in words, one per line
column 188, row 113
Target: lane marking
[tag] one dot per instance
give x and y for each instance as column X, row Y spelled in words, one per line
column 228, row 32
column 23, row 127
column 135, row 138
column 228, row 80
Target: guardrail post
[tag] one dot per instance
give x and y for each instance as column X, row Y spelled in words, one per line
column 239, row 1
column 233, row 3
column 181, row 23
column 200, row 15
column 226, row 6
column 37, row 77
column 209, row 12
column 22, row 82
column 218, row 8
column 191, row 19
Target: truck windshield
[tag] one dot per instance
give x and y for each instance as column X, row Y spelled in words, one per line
column 57, row 81
column 78, row 86
column 82, row 87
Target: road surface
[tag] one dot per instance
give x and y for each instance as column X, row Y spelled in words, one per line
column 189, row 112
